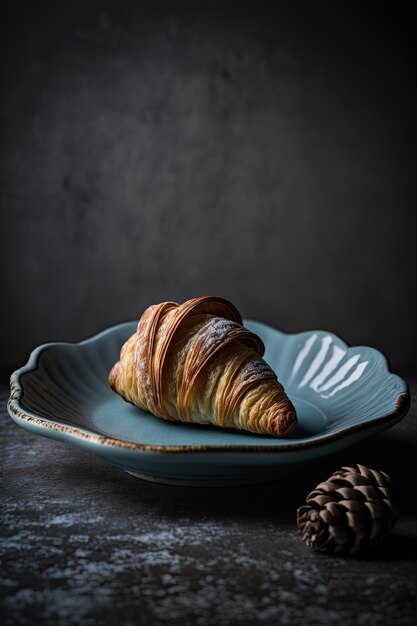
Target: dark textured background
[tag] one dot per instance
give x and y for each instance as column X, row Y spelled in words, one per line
column 259, row 151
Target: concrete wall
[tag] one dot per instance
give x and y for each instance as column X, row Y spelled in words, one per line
column 259, row 151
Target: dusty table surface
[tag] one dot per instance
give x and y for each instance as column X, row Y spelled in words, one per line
column 84, row 543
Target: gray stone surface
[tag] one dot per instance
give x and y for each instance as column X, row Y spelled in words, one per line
column 85, row 544
column 163, row 150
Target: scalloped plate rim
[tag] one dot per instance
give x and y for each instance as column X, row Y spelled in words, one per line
column 20, row 414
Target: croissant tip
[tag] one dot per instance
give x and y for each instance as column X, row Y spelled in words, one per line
column 282, row 423
column 113, row 375
column 288, row 423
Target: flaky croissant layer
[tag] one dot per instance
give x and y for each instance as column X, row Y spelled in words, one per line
column 195, row 362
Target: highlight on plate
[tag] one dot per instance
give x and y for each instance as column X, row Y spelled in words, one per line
column 195, row 362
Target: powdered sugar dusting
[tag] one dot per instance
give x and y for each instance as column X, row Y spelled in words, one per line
column 256, row 369
column 213, row 332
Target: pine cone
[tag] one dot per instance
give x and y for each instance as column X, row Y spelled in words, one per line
column 352, row 512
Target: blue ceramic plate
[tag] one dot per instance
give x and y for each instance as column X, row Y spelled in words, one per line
column 341, row 394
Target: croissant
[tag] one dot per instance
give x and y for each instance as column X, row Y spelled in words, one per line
column 195, row 362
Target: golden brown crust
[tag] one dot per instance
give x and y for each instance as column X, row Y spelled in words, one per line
column 195, row 362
